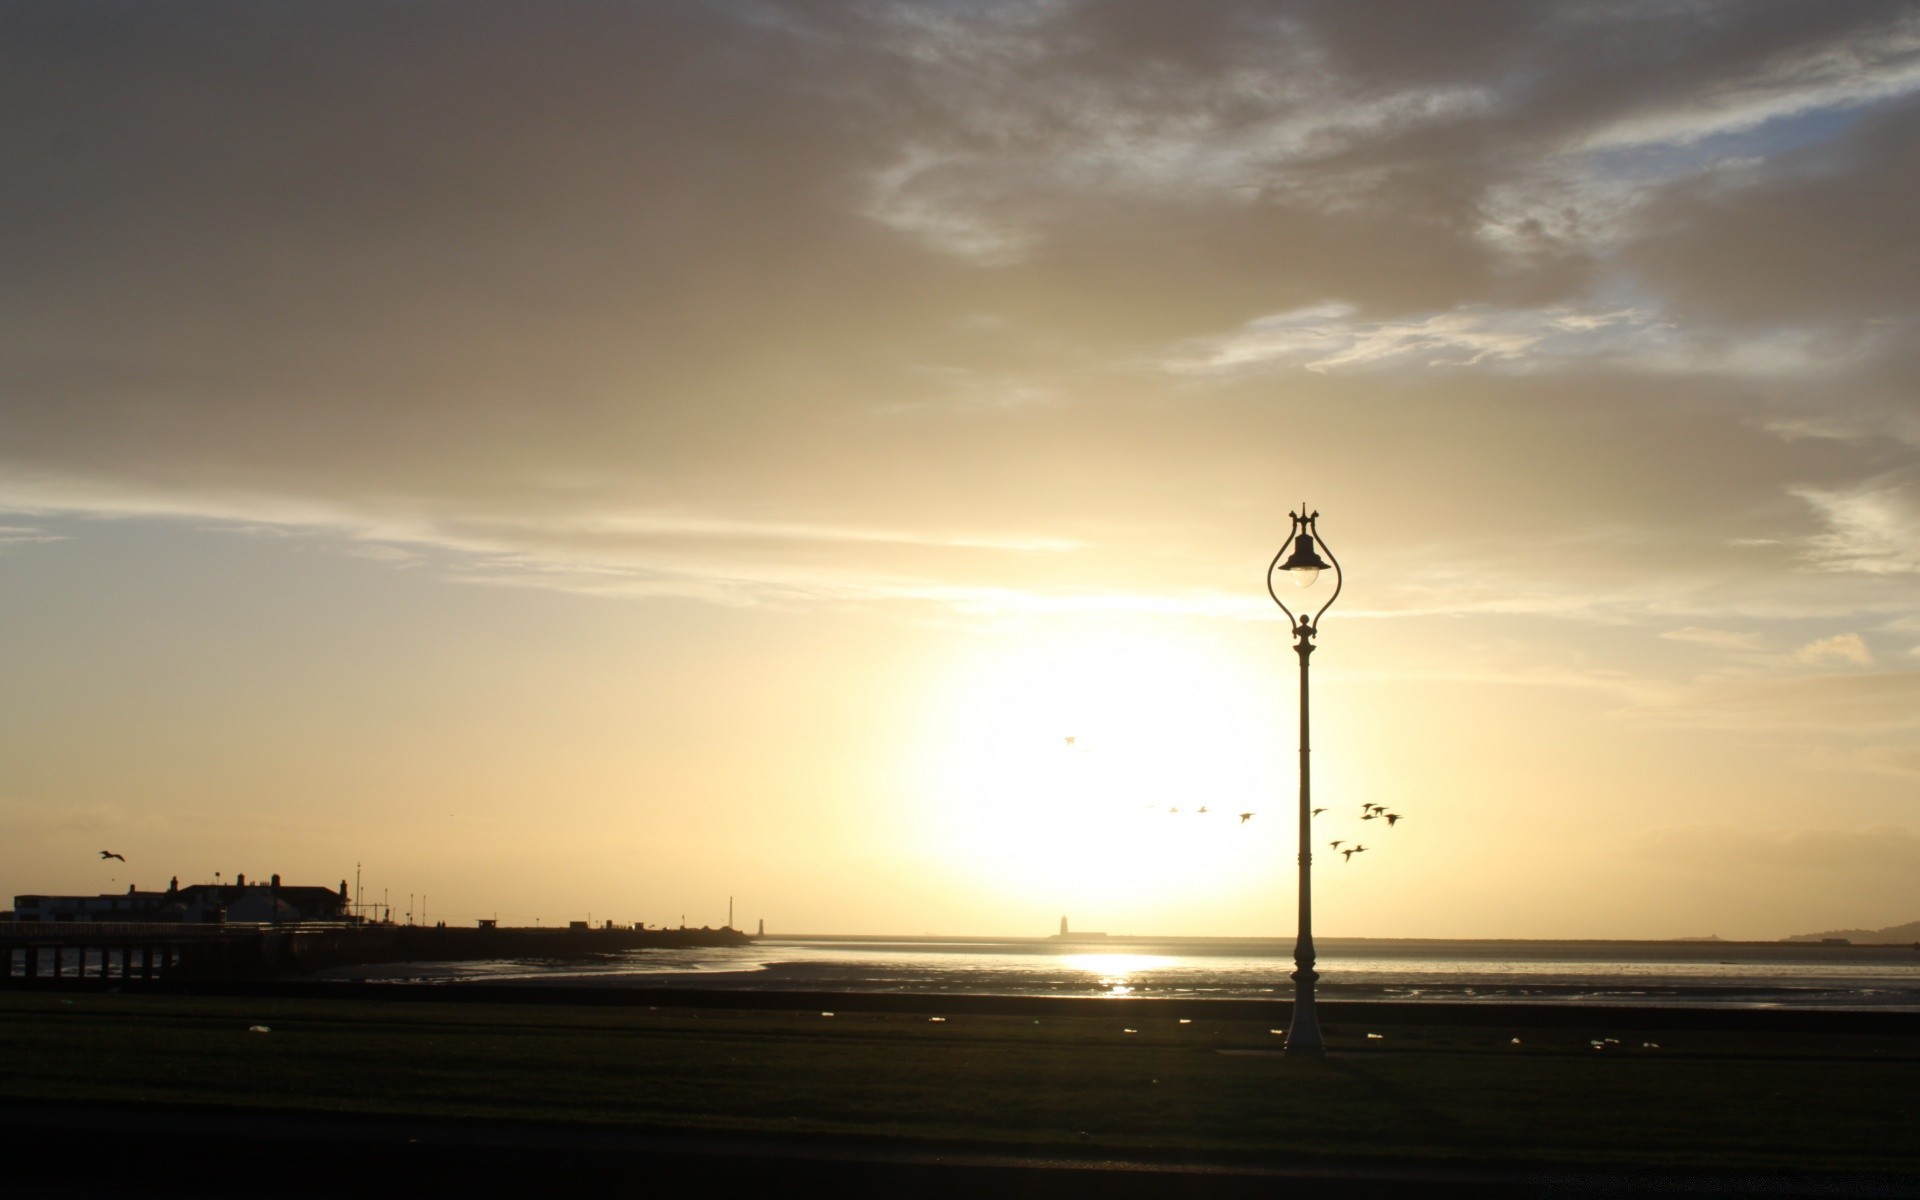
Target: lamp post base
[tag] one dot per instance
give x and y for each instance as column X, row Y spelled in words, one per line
column 1303, row 1032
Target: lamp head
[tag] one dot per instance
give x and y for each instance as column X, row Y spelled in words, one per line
column 1304, row 565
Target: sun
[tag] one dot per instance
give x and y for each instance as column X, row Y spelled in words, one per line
column 1103, row 771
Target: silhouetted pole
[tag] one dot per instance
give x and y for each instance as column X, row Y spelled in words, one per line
column 1303, row 567
column 1303, row 1034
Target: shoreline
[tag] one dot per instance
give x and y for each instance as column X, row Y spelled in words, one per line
column 1287, row 940
column 1275, row 1012
column 744, row 982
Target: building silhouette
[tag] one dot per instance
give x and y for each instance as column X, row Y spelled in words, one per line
column 269, row 903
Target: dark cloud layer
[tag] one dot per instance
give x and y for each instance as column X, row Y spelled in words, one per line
column 544, row 283
column 1823, row 237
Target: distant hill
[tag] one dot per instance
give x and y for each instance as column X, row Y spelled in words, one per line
column 1910, row 932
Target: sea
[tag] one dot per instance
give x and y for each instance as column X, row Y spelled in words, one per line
column 1688, row 973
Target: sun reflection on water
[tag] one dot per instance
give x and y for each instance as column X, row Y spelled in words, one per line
column 1115, row 972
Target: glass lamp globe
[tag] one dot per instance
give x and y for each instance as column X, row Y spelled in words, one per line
column 1304, row 565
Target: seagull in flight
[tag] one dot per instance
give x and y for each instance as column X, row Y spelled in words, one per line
column 1245, row 817
column 106, row 854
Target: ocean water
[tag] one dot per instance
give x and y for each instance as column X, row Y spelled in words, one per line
column 1651, row 973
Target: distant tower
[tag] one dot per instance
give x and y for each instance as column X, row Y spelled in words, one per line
column 729, row 912
column 1063, row 927
column 763, row 928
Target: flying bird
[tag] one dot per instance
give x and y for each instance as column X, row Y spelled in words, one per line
column 1174, row 809
column 1391, row 819
column 1337, row 843
column 1202, row 808
column 106, row 854
column 1368, row 816
column 1245, row 817
column 1318, row 811
column 1349, row 852
column 1069, row 741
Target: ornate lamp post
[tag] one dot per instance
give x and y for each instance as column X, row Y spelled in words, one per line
column 1302, row 568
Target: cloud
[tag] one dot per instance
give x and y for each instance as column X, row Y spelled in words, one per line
column 1751, row 647
column 1842, row 647
column 1792, row 81
column 908, row 196
column 743, row 583
column 1718, row 639
column 1871, row 527
column 21, row 535
column 854, row 300
column 964, row 390
column 1853, row 703
column 1326, row 337
column 1812, row 236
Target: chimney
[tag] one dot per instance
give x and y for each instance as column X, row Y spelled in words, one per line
column 276, row 881
column 240, row 881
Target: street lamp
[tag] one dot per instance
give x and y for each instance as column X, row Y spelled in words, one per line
column 1302, row 569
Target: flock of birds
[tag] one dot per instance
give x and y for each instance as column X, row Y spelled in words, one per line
column 1368, row 812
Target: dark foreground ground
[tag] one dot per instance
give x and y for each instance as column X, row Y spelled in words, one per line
column 174, row 1095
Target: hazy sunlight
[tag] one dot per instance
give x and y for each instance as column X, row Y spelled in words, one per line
column 1102, row 771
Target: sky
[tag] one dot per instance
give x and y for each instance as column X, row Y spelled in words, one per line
column 590, row 461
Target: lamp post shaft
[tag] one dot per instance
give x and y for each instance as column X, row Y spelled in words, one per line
column 1303, row 1032
column 1304, row 565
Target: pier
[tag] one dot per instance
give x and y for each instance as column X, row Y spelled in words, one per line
column 36, row 951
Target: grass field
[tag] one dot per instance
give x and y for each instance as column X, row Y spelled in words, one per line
column 1205, row 1089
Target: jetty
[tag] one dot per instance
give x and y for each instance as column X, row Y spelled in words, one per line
column 32, row 951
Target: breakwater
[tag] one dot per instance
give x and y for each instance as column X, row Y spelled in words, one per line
column 31, row 952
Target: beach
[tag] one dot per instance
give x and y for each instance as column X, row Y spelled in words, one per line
column 1558, row 1089
column 1688, row 974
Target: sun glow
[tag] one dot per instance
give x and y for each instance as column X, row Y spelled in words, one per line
column 1104, row 773
column 1115, row 972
